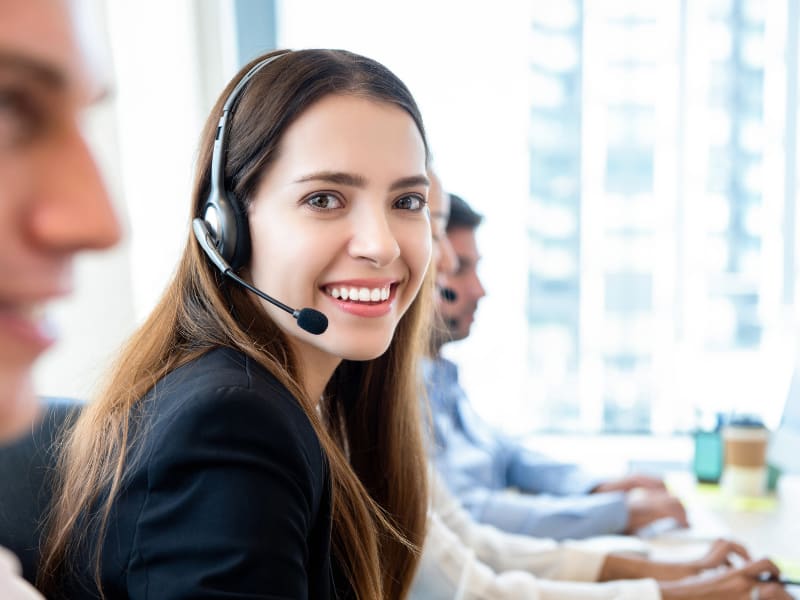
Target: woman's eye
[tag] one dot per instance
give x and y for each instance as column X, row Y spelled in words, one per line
column 324, row 202
column 410, row 202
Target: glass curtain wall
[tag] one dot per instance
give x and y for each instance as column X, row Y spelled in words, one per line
column 658, row 198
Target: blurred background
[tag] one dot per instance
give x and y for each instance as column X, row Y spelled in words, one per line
column 636, row 162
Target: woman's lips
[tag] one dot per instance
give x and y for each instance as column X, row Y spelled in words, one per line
column 362, row 304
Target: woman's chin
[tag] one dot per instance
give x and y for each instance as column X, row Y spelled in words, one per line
column 364, row 351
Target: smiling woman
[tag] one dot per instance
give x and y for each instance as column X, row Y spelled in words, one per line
column 234, row 452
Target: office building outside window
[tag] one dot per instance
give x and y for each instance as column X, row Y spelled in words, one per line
column 658, row 198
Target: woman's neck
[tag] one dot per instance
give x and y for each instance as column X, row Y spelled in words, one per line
column 19, row 406
column 316, row 369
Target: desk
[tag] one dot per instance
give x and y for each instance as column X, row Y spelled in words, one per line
column 768, row 526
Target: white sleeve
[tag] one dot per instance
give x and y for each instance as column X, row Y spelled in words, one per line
column 12, row 585
column 449, row 570
column 466, row 561
column 503, row 551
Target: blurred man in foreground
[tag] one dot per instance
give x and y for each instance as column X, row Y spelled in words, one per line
column 52, row 200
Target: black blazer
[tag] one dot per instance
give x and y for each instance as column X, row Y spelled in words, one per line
column 228, row 494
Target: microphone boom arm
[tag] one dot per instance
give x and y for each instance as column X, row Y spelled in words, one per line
column 308, row 319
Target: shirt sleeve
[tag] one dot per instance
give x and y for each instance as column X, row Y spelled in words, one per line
column 12, row 585
column 532, row 471
column 480, row 465
column 452, row 569
column 231, row 499
column 558, row 517
column 502, row 551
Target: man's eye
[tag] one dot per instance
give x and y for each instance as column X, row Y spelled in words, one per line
column 324, row 202
column 20, row 119
column 410, row 202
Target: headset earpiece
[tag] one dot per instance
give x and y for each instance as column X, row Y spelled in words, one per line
column 229, row 228
column 224, row 215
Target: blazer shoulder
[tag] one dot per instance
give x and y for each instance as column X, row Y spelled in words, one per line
column 226, row 395
column 229, row 488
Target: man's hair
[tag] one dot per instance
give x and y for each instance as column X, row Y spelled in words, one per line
column 461, row 215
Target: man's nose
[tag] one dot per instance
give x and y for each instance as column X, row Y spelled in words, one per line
column 71, row 207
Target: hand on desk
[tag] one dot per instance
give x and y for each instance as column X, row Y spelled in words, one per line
column 743, row 583
column 708, row 578
column 647, row 506
column 624, row 566
column 648, row 501
column 723, row 553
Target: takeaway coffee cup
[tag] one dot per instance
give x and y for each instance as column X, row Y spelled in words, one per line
column 745, row 459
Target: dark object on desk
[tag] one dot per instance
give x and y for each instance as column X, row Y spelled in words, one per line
column 26, row 467
column 768, row 578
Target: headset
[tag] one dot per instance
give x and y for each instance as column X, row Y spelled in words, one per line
column 226, row 218
column 223, row 232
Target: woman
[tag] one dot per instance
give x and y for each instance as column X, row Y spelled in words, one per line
column 233, row 453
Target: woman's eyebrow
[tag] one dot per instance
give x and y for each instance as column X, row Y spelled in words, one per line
column 412, row 181
column 350, row 179
column 337, row 177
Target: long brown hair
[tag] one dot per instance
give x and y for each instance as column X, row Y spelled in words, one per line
column 369, row 420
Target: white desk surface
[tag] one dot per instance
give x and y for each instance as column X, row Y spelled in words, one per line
column 768, row 526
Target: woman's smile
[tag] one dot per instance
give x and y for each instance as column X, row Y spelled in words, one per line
column 363, row 298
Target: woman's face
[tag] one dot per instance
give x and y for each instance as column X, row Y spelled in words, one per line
column 340, row 224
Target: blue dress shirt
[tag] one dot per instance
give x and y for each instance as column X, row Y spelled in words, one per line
column 504, row 484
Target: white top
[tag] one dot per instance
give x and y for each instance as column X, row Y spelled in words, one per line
column 12, row 585
column 463, row 560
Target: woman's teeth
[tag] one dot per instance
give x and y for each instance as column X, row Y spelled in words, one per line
column 354, row 294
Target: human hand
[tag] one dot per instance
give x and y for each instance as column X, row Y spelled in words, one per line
column 722, row 553
column 719, row 555
column 631, row 482
column 646, row 506
column 734, row 584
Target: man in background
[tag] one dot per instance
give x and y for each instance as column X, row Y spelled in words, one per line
column 52, row 202
column 498, row 480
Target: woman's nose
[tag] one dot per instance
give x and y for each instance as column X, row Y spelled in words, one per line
column 373, row 238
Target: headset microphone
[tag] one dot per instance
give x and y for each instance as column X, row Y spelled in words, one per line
column 448, row 294
column 308, row 319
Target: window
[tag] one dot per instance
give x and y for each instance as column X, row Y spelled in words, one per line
column 664, row 114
